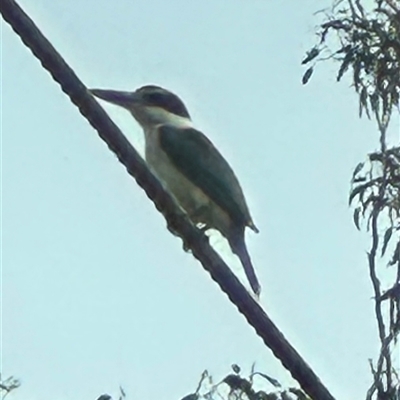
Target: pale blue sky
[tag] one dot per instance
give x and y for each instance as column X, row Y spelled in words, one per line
column 96, row 292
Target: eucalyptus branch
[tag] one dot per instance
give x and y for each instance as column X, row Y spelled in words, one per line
column 367, row 47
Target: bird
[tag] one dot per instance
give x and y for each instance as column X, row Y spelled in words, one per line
column 189, row 166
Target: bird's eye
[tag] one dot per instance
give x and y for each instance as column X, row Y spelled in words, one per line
column 165, row 100
column 154, row 98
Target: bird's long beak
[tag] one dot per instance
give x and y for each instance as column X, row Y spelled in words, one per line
column 119, row 98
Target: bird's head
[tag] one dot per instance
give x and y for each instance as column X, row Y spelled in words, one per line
column 150, row 105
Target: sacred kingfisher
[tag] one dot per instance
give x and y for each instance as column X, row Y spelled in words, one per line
column 191, row 169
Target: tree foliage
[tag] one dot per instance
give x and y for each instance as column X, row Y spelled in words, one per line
column 235, row 386
column 366, row 45
column 8, row 385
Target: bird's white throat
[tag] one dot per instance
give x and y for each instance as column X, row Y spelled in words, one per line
column 149, row 117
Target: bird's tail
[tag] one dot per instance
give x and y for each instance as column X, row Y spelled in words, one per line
column 238, row 246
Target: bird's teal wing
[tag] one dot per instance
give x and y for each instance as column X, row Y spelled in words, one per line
column 196, row 158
